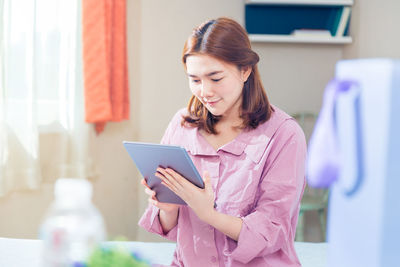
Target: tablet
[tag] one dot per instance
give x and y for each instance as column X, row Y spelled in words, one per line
column 148, row 157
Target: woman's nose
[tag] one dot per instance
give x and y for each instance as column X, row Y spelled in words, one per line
column 205, row 90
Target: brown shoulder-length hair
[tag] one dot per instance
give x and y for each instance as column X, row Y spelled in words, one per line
column 227, row 40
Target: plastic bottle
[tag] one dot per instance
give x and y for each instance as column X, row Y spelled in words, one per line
column 73, row 226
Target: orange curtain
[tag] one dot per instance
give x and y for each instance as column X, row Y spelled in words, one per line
column 105, row 61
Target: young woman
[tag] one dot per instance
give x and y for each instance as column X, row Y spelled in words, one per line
column 251, row 154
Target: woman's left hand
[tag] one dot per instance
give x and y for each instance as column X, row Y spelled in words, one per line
column 201, row 201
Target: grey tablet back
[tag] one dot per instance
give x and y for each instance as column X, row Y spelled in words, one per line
column 148, row 157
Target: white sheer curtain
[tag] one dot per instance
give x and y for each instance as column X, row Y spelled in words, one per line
column 42, row 131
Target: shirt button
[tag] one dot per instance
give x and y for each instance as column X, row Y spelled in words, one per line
column 210, row 227
column 213, row 259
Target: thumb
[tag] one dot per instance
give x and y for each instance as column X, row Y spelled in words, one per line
column 207, row 181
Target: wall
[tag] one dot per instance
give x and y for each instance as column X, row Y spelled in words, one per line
column 294, row 76
column 374, row 26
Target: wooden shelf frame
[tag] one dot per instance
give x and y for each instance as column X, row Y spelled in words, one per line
column 272, row 38
column 303, row 2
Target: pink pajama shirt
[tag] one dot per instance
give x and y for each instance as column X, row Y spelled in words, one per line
column 259, row 177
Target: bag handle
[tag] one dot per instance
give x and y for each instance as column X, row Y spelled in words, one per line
column 324, row 153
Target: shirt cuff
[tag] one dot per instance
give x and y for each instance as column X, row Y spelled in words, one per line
column 151, row 222
column 249, row 244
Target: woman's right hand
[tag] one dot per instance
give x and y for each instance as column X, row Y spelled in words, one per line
column 166, row 207
column 168, row 212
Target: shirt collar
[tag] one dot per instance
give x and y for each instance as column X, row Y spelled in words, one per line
column 253, row 142
column 198, row 145
column 250, row 142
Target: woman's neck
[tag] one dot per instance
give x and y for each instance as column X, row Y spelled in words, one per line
column 231, row 119
column 226, row 133
column 229, row 125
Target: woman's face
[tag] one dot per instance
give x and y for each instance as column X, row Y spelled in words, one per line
column 217, row 84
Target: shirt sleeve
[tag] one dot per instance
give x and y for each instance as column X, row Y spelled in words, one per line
column 150, row 220
column 169, row 134
column 271, row 225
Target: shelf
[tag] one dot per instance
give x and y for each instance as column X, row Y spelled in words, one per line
column 277, row 20
column 277, row 38
column 303, row 2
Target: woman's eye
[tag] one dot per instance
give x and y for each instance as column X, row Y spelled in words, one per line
column 216, row 80
column 195, row 81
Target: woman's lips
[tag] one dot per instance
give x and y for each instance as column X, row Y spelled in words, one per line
column 212, row 102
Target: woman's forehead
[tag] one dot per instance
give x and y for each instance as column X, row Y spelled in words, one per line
column 204, row 65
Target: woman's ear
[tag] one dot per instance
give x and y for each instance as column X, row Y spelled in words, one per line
column 245, row 73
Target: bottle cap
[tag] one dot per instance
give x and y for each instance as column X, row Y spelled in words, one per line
column 73, row 189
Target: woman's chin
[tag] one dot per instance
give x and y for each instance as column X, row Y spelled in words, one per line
column 214, row 111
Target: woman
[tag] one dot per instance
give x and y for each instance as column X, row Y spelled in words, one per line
column 251, row 154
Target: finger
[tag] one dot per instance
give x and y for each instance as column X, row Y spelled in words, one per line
column 149, row 192
column 179, row 178
column 172, row 178
column 208, row 186
column 207, row 181
column 166, row 182
column 180, row 193
column 153, row 202
column 144, row 182
column 171, row 186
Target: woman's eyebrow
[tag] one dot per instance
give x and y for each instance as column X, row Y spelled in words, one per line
column 208, row 74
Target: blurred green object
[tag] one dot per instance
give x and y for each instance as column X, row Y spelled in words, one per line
column 314, row 199
column 115, row 256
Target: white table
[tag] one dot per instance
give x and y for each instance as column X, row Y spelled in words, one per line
column 26, row 252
